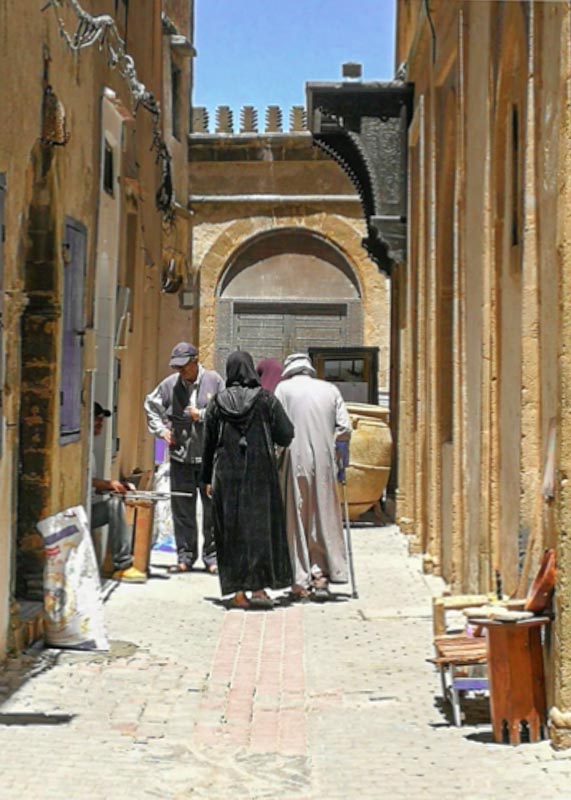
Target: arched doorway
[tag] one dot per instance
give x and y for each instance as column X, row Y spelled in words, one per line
column 286, row 291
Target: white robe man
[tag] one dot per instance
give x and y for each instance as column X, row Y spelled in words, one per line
column 313, row 512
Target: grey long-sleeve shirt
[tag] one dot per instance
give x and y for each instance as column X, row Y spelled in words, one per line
column 159, row 409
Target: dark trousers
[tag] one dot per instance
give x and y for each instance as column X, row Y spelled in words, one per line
column 186, row 478
column 111, row 511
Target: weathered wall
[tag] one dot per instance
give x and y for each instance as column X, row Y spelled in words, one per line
column 485, row 297
column 45, row 185
column 174, row 323
column 41, row 189
column 558, row 21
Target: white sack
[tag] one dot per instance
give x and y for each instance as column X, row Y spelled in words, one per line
column 73, row 608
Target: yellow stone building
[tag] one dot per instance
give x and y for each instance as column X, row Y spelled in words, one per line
column 484, row 444
column 93, row 190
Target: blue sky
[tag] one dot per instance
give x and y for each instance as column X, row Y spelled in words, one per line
column 261, row 52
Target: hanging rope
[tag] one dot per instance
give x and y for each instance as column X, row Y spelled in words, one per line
column 102, row 31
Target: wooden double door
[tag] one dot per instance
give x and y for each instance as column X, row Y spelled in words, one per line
column 275, row 329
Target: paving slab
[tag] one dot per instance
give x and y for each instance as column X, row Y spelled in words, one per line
column 306, row 701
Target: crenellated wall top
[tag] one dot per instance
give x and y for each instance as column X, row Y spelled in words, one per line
column 248, row 123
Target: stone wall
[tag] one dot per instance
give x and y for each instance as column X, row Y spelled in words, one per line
column 488, row 244
column 50, row 155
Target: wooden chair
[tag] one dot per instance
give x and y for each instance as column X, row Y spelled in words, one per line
column 457, row 651
column 454, row 654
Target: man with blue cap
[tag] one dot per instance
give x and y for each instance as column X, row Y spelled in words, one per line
column 175, row 412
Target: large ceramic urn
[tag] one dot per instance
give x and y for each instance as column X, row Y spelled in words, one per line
column 370, row 459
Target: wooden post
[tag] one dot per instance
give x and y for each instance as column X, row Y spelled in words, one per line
column 140, row 514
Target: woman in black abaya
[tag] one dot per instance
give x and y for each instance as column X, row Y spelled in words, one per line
column 242, row 425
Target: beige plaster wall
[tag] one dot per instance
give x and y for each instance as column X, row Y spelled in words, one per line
column 21, row 91
column 71, row 190
column 496, row 294
column 560, row 713
column 311, row 173
column 511, row 299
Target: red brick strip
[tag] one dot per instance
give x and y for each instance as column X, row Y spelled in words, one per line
column 256, row 691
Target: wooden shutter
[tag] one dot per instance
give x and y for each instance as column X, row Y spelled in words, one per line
column 74, row 248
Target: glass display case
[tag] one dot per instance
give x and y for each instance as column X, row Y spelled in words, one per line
column 354, row 370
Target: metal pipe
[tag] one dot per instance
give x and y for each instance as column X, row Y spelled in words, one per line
column 273, row 198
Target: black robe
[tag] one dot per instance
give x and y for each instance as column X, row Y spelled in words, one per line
column 241, row 426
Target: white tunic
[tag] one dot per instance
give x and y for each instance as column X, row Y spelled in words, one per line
column 309, row 475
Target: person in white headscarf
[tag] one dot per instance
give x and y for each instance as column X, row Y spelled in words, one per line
column 309, row 472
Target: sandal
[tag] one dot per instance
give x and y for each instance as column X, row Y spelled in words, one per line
column 299, row 594
column 212, row 569
column 239, row 600
column 261, row 600
column 180, row 567
column 321, row 594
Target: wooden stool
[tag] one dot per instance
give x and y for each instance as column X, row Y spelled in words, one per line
column 517, row 680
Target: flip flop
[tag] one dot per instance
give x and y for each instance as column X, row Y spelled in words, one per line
column 176, row 568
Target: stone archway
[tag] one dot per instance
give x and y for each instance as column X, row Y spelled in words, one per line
column 283, row 291
column 220, row 242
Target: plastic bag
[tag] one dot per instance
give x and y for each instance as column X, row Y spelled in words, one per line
column 163, row 527
column 73, row 608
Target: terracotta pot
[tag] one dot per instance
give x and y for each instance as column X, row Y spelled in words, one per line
column 370, row 459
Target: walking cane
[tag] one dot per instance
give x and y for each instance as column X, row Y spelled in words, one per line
column 342, row 477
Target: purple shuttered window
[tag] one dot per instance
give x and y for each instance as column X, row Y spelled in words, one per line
column 2, row 239
column 73, row 324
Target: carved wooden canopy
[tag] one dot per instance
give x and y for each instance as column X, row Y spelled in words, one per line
column 363, row 126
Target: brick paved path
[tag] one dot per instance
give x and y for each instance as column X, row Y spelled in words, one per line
column 304, row 702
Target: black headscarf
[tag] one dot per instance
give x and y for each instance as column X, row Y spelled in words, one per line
column 236, row 402
column 240, row 370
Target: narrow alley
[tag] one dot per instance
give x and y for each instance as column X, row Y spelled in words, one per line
column 334, row 700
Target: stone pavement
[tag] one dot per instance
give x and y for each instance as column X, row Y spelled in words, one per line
column 302, row 702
